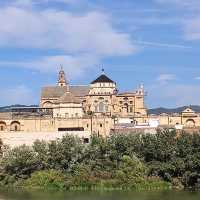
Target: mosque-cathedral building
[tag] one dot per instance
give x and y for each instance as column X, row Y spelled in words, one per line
column 86, row 109
column 101, row 97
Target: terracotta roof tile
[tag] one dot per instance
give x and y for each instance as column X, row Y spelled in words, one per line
column 68, row 97
column 57, row 91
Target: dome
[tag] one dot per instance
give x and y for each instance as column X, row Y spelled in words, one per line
column 102, row 79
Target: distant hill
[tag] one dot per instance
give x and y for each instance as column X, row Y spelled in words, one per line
column 8, row 108
column 155, row 111
column 161, row 110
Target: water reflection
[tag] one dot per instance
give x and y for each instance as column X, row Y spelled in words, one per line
column 165, row 195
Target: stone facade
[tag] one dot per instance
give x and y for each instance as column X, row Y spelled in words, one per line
column 101, row 97
column 86, row 109
column 187, row 118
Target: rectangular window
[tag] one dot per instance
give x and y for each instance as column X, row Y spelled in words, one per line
column 71, row 129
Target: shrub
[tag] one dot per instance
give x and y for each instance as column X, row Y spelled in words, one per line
column 49, row 180
column 131, row 171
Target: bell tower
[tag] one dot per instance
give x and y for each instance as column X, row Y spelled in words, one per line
column 61, row 78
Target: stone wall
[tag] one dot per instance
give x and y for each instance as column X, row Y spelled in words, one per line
column 14, row 139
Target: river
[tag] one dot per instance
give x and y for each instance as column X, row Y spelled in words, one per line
column 165, row 195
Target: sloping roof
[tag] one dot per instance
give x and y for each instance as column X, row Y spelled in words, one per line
column 53, row 91
column 57, row 91
column 102, row 79
column 79, row 90
column 126, row 94
column 68, row 97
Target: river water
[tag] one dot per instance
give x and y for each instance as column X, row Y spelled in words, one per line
column 165, row 195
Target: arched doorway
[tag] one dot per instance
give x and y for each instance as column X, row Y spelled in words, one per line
column 15, row 126
column 190, row 123
column 2, row 126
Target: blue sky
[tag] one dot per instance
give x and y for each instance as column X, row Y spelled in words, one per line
column 154, row 42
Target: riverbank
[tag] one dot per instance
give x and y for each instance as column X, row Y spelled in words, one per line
column 119, row 162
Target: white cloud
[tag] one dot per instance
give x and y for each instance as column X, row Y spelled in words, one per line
column 82, row 39
column 19, row 94
column 75, row 66
column 183, row 3
column 22, row 3
column 190, row 22
column 51, row 29
column 166, row 78
column 30, row 3
column 173, row 95
column 192, row 29
column 162, row 45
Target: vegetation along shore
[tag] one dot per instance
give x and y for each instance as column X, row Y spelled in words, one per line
column 118, row 162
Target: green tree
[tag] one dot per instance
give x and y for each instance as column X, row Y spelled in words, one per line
column 19, row 162
column 131, row 171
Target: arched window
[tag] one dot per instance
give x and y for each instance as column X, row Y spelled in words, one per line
column 190, row 123
column 47, row 104
column 2, row 126
column 126, row 107
column 101, row 107
column 15, row 126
